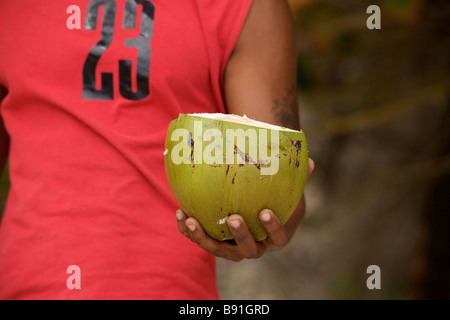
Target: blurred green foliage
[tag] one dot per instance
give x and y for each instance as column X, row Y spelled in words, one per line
column 400, row 5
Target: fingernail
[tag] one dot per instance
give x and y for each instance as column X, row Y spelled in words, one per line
column 265, row 217
column 179, row 214
column 191, row 227
column 234, row 223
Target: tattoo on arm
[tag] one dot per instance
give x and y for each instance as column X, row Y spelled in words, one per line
column 285, row 110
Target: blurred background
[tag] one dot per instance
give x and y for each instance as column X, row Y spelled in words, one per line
column 375, row 107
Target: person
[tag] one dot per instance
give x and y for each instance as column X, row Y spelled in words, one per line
column 85, row 108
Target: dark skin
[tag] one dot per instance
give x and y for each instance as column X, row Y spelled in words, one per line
column 260, row 82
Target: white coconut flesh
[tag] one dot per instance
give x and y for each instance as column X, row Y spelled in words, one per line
column 241, row 120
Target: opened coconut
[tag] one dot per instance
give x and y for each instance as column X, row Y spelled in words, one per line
column 220, row 164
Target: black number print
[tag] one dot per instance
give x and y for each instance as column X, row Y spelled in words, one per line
column 89, row 85
column 142, row 43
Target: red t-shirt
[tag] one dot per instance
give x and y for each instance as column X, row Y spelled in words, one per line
column 87, row 111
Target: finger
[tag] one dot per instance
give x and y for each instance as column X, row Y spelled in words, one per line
column 275, row 230
column 244, row 239
column 221, row 249
column 181, row 218
column 311, row 166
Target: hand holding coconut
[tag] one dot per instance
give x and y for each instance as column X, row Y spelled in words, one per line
column 245, row 245
column 236, row 179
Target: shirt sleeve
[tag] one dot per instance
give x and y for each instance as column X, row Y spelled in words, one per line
column 222, row 22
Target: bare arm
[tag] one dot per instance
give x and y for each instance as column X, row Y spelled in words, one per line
column 4, row 139
column 260, row 79
column 260, row 82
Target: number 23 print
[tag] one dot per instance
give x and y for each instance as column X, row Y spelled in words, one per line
column 141, row 43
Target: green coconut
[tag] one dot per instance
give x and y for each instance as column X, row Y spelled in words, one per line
column 221, row 164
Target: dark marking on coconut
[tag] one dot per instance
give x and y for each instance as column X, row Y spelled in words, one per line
column 249, row 159
column 234, row 177
column 298, row 145
column 190, row 141
column 240, row 153
column 244, row 156
column 226, row 173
